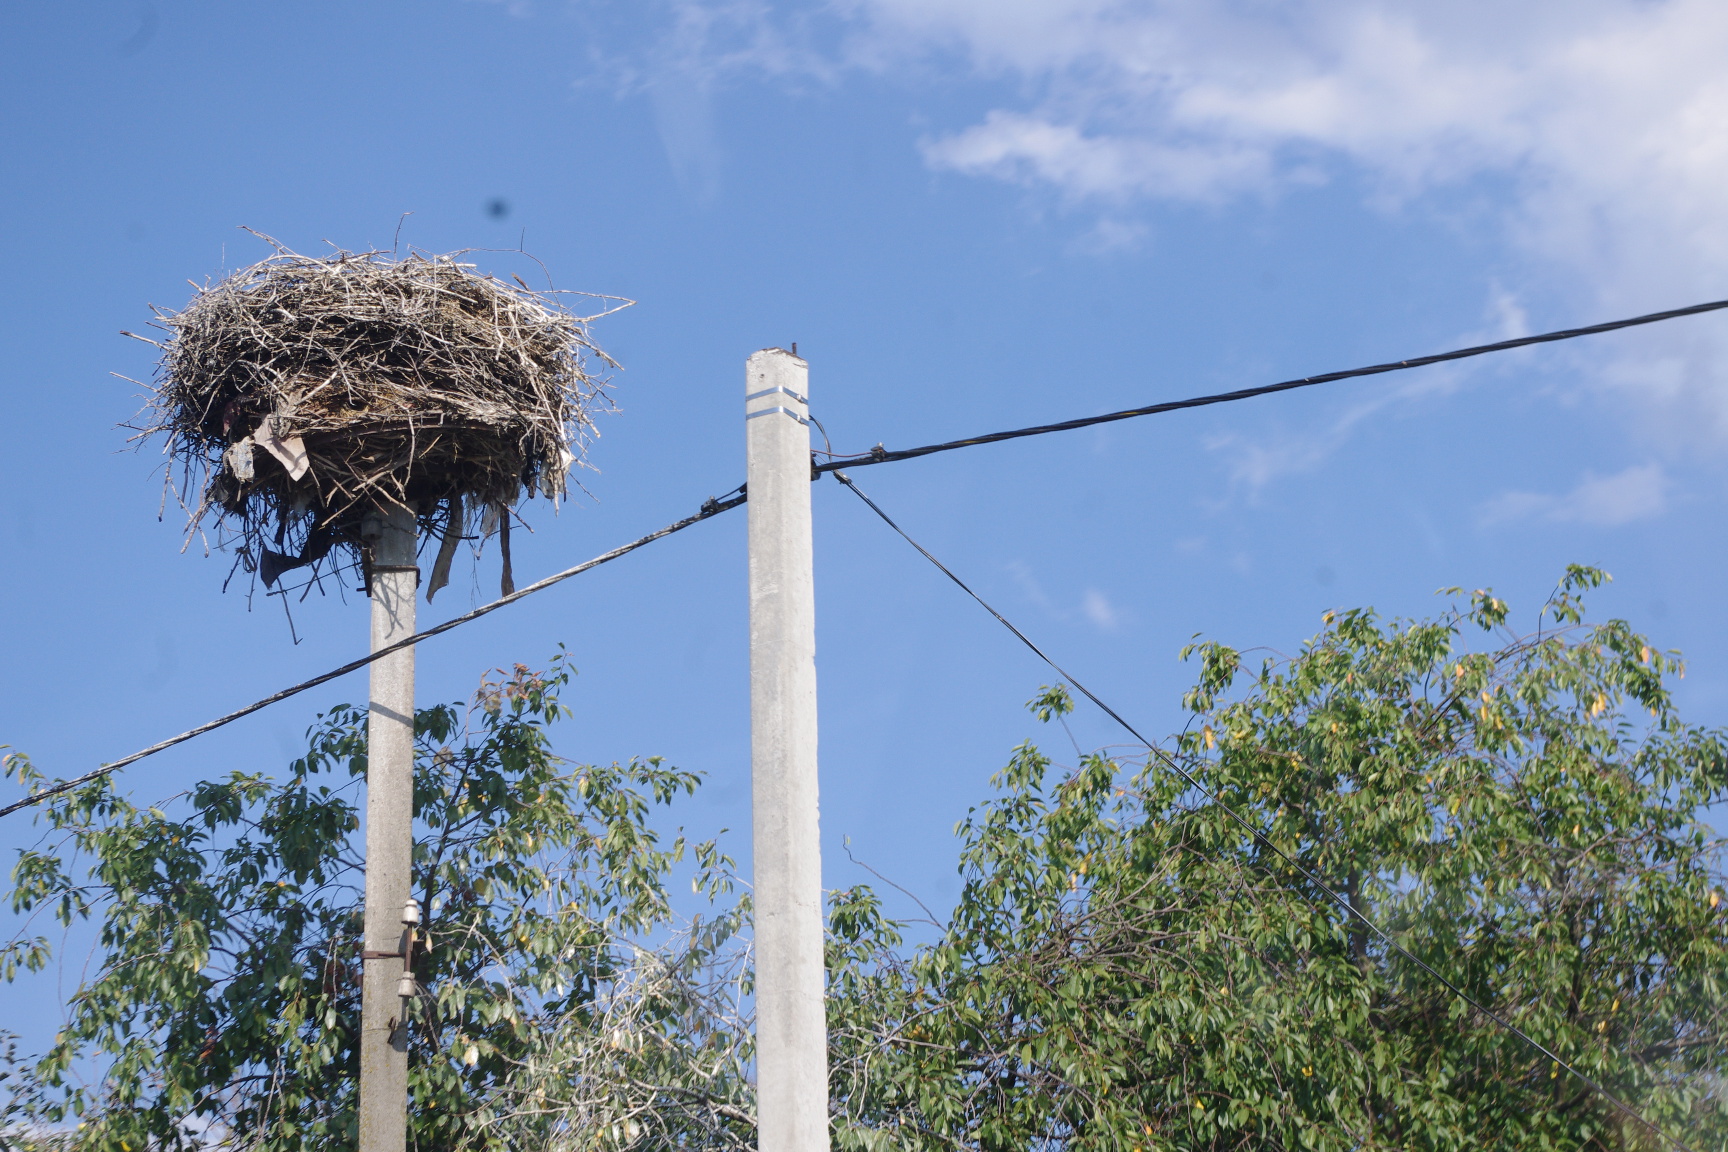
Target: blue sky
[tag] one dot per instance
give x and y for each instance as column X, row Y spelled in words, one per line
column 970, row 215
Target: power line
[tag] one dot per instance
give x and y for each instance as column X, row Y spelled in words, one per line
column 709, row 509
column 1262, row 839
column 880, row 455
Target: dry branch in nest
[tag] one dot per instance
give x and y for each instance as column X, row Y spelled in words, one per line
column 303, row 392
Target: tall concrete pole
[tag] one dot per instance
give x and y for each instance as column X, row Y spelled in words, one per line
column 791, row 1028
column 389, row 836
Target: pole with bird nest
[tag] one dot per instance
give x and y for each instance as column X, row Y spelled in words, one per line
column 327, row 414
column 387, row 986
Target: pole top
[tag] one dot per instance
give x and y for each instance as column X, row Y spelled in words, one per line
column 778, row 351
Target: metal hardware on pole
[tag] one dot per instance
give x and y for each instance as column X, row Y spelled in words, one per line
column 791, row 1027
column 388, row 536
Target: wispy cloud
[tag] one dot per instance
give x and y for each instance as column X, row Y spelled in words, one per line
column 517, row 8
column 1030, row 149
column 1100, row 611
column 1095, row 607
column 692, row 51
column 1589, row 132
column 1637, row 493
column 1110, row 236
column 1254, row 460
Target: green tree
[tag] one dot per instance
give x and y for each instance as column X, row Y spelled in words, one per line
column 1127, row 968
column 226, row 997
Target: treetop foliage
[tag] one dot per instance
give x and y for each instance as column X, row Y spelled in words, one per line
column 227, row 994
column 1127, row 968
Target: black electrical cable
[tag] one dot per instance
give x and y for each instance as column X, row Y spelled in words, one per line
column 1263, row 840
column 711, row 508
column 880, row 455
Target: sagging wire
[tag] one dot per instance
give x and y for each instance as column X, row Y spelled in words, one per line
column 712, row 507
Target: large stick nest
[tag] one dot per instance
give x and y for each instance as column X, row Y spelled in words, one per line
column 302, row 393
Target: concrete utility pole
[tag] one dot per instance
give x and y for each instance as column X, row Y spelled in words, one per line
column 791, row 1026
column 389, row 836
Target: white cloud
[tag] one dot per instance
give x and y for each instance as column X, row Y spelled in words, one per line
column 1100, row 611
column 1255, row 460
column 693, row 50
column 1095, row 606
column 1591, row 135
column 1637, row 493
column 1030, row 149
column 1600, row 127
column 1418, row 92
column 1108, row 236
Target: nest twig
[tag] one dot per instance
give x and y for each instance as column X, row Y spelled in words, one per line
column 301, row 393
